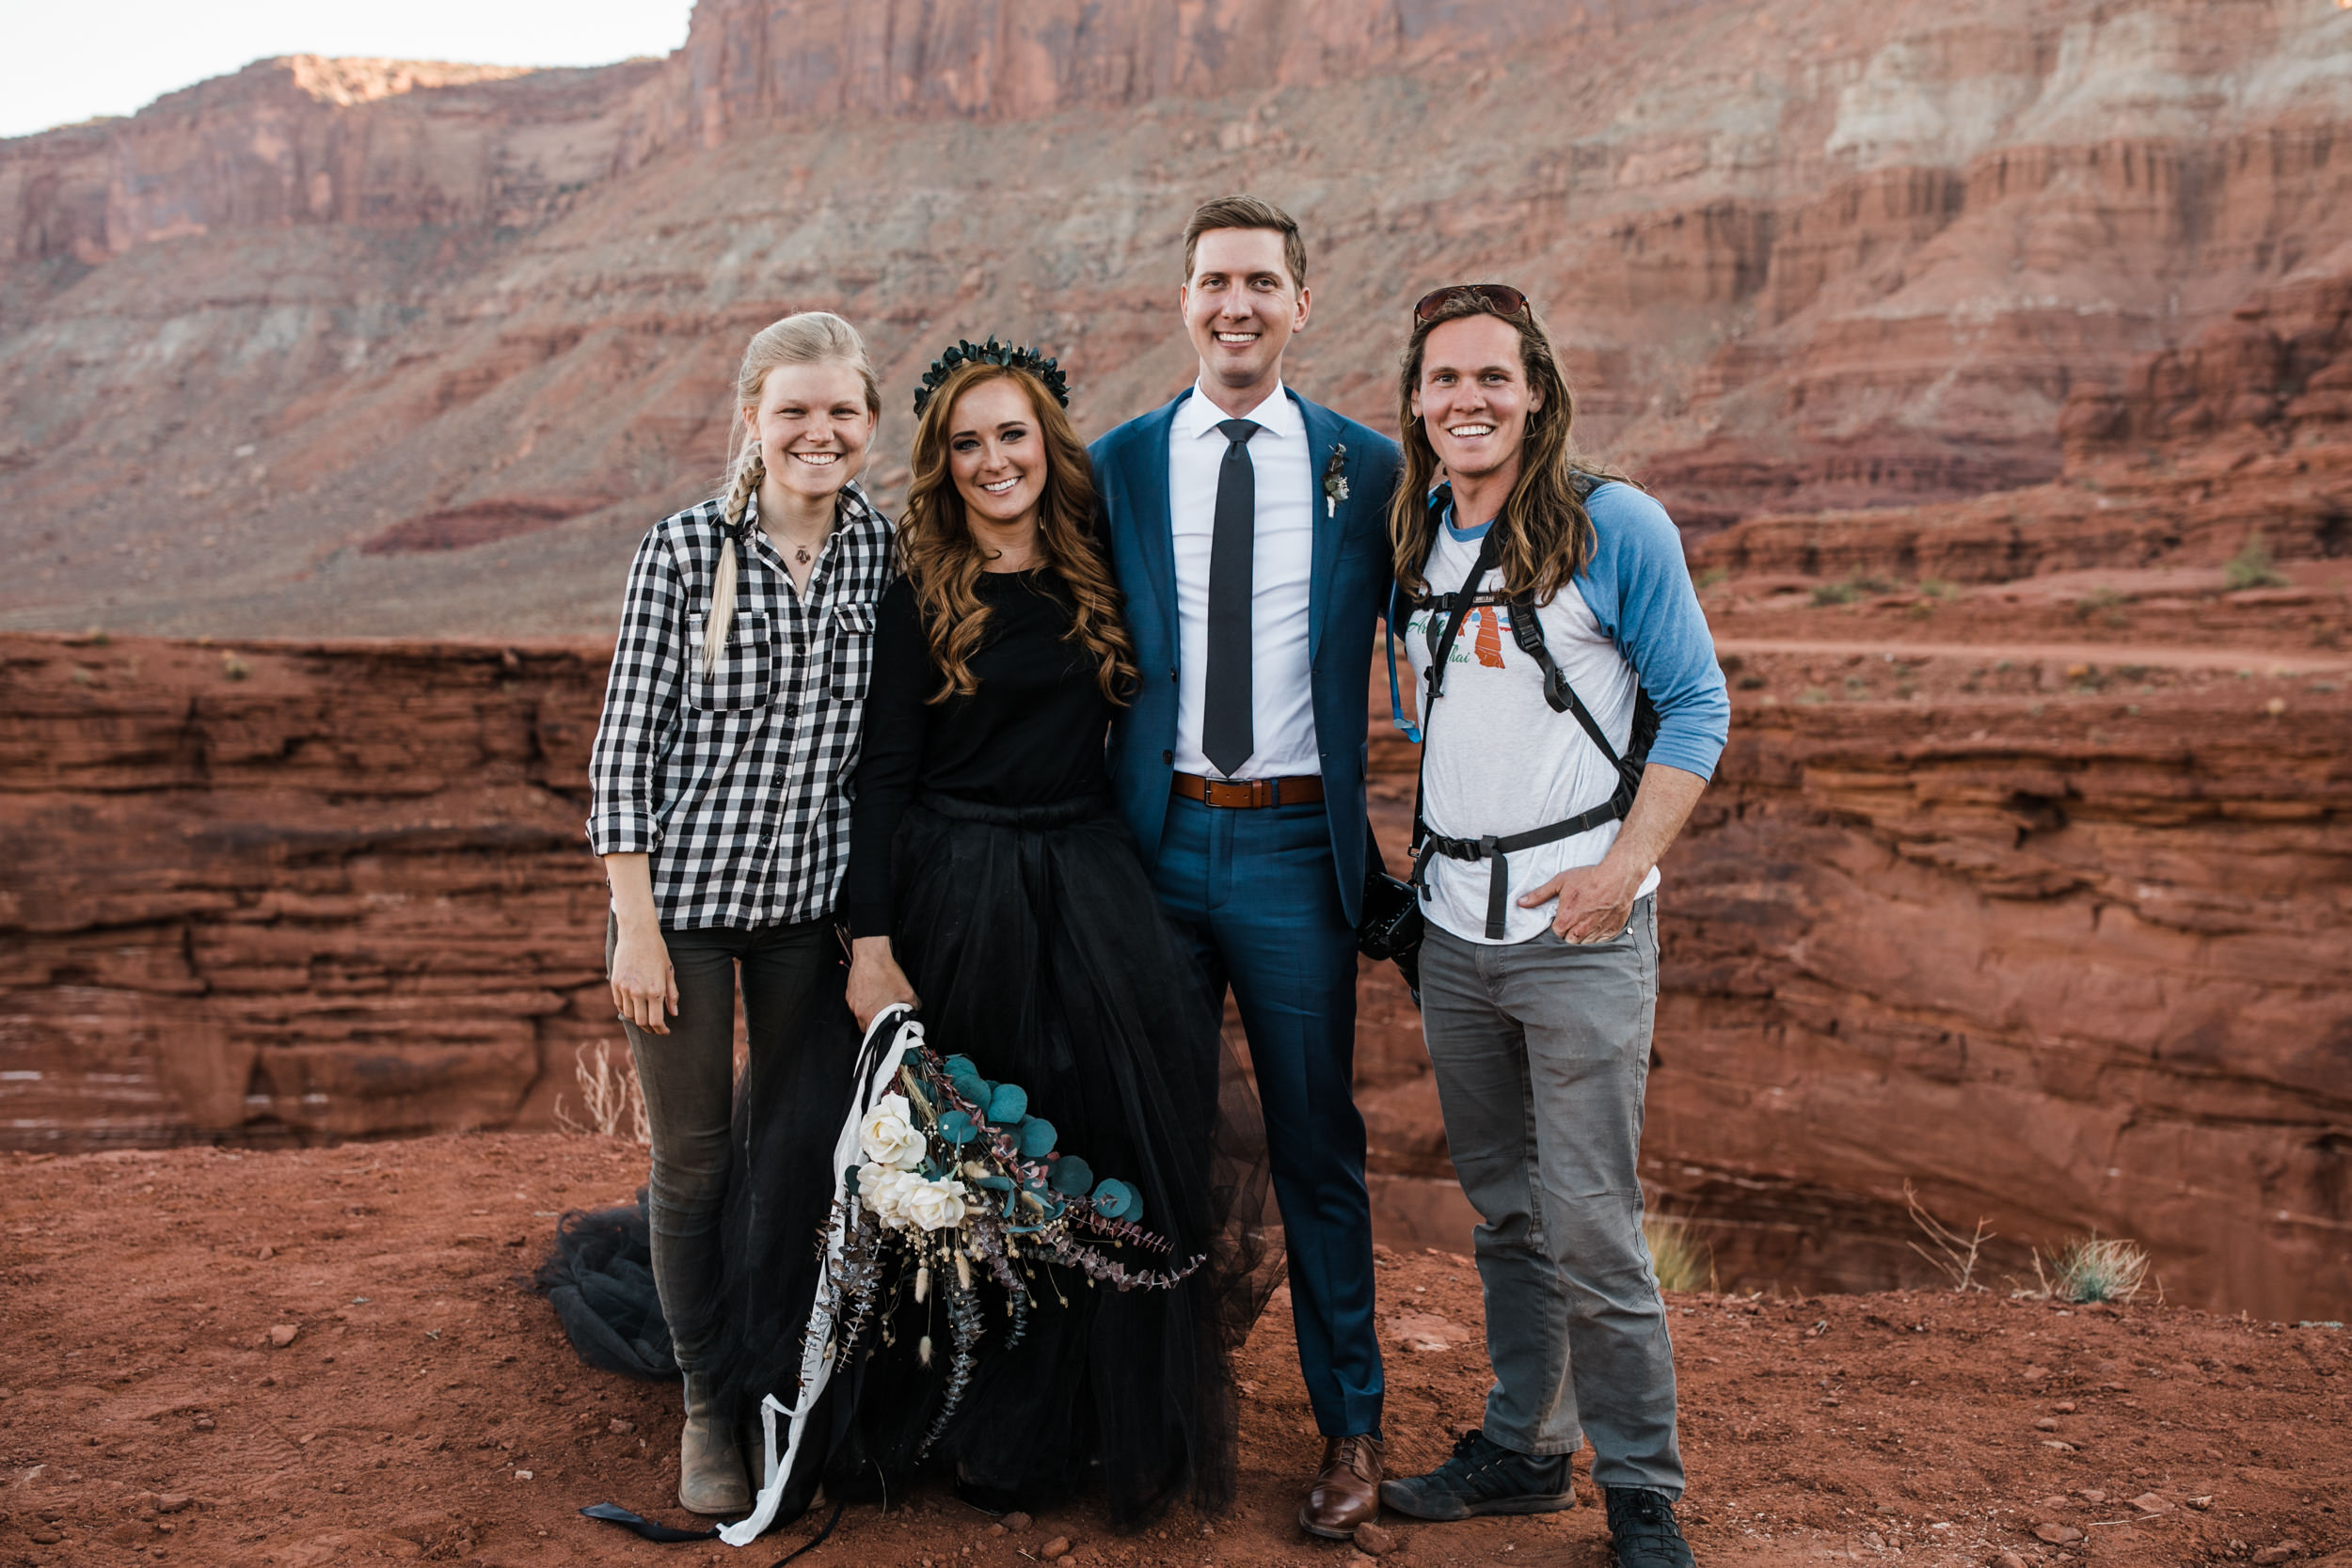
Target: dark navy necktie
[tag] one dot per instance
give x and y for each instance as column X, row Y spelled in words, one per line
column 1225, row 729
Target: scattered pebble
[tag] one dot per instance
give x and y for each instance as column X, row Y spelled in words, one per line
column 282, row 1335
column 1374, row 1541
column 2009, row 1559
column 172, row 1502
column 622, row 1423
column 1058, row 1546
column 1016, row 1520
column 2148, row 1502
column 2055, row 1533
column 2046, row 1423
column 2280, row 1553
column 2093, row 1495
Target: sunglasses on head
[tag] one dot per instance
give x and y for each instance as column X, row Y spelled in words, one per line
column 1500, row 298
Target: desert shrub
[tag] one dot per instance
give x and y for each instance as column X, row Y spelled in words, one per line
column 2097, row 1268
column 1955, row 1255
column 1682, row 1261
column 1714, row 576
column 2250, row 567
column 610, row 1096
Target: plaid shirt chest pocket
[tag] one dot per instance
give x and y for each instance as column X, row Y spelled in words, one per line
column 853, row 652
column 744, row 675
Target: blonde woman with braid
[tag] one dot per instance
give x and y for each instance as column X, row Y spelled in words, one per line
column 730, row 732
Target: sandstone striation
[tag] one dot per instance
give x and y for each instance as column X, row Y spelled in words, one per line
column 325, row 347
column 2063, row 951
column 294, row 893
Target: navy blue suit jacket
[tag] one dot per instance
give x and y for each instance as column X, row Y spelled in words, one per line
column 1348, row 595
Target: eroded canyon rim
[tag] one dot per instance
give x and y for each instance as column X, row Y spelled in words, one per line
column 1997, row 357
column 337, row 346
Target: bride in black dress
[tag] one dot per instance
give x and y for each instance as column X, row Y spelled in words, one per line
column 992, row 884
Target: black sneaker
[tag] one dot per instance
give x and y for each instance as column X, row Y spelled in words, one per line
column 1643, row 1531
column 1484, row 1477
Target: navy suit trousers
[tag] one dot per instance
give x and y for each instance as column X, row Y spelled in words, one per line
column 1255, row 893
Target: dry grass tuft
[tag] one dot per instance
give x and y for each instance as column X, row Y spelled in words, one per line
column 1682, row 1261
column 2095, row 1269
column 610, row 1096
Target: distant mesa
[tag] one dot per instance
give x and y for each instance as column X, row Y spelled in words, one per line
column 464, row 527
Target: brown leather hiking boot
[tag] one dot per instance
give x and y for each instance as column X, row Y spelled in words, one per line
column 1346, row 1492
column 710, row 1477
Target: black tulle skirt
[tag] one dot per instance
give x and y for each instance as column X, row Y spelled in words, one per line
column 1038, row 948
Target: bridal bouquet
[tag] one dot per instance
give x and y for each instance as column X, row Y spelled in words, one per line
column 959, row 1181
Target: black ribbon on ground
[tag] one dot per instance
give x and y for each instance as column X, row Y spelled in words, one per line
column 638, row 1525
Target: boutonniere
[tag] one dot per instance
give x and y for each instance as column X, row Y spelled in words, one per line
column 1335, row 479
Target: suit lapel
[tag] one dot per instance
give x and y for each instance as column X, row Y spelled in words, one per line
column 1155, row 532
column 1323, row 434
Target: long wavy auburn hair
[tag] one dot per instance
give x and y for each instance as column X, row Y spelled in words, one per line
column 943, row 561
column 1547, row 535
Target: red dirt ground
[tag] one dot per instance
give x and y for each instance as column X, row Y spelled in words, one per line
column 426, row 1407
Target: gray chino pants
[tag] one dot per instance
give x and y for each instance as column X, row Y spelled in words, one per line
column 1542, row 1053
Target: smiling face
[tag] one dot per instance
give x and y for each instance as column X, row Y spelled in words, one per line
column 812, row 425
column 1473, row 399
column 996, row 455
column 1241, row 306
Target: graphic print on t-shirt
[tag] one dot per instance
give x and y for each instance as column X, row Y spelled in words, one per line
column 1481, row 639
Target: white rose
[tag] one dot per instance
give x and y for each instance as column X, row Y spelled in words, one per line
column 887, row 1135
column 934, row 1205
column 882, row 1189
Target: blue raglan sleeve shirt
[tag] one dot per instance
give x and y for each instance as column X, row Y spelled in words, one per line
column 1638, row 587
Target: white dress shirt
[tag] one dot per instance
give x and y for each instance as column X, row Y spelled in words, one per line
column 1281, row 699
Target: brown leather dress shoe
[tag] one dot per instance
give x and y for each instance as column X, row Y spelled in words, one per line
column 1346, row 1492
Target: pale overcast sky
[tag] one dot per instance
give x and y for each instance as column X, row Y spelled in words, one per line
column 67, row 60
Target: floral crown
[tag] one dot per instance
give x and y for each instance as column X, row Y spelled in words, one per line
column 965, row 352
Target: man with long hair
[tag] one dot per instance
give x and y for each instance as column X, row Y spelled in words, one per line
column 1246, row 529
column 1571, row 712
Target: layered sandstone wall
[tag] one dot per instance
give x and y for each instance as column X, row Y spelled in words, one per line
column 1801, row 255
column 384, row 144
column 2242, row 434
column 2066, row 959
column 293, row 892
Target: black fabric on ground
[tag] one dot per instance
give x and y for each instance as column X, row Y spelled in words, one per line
column 599, row 1280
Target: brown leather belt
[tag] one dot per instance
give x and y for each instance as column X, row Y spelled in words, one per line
column 1298, row 790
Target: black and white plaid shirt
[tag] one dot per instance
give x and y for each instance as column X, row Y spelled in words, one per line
column 736, row 781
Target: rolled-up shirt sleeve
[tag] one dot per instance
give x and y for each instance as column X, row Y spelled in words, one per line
column 1657, row 624
column 641, row 706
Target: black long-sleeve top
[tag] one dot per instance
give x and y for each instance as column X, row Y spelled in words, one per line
column 1032, row 734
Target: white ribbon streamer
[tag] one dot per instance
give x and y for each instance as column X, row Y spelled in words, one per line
column 816, row 1345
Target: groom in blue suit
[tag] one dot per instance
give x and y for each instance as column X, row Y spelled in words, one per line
column 1249, row 529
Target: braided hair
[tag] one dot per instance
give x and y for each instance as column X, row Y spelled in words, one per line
column 808, row 337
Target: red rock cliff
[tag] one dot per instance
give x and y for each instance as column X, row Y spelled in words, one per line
column 2065, row 960
column 1802, row 254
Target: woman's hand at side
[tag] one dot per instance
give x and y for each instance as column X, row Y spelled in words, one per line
column 876, row 980
column 645, row 986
